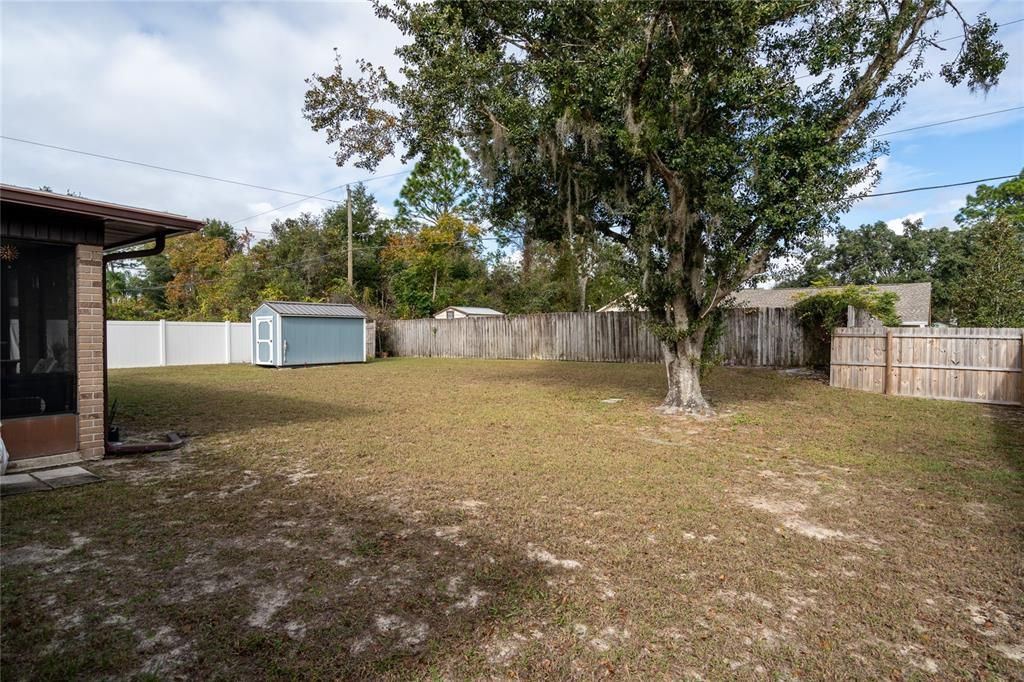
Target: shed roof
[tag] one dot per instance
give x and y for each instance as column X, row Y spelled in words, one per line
column 471, row 310
column 913, row 305
column 299, row 309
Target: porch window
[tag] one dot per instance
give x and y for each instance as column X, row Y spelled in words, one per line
column 37, row 335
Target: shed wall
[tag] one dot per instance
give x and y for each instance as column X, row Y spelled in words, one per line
column 321, row 340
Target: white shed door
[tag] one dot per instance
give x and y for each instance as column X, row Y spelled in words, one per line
column 264, row 340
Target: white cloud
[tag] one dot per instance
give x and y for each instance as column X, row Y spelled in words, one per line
column 215, row 89
column 868, row 183
column 896, row 224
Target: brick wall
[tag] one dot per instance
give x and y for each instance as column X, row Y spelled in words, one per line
column 89, row 341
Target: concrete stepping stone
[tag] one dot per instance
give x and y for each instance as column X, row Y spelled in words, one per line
column 13, row 484
column 48, row 479
column 66, row 477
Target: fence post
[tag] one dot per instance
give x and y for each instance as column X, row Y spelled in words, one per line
column 227, row 342
column 888, row 361
column 163, row 343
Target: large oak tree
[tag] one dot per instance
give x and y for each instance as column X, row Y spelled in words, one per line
column 707, row 137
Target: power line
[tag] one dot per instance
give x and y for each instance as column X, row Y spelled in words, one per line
column 317, row 196
column 885, row 134
column 166, row 169
column 292, row 203
column 952, row 120
column 324, row 256
column 1008, row 23
column 924, row 189
column 203, row 176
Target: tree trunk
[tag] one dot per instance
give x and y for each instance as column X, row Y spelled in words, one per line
column 683, row 345
column 527, row 254
column 682, row 370
column 433, row 292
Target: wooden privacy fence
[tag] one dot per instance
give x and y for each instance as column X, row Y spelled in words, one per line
column 766, row 337
column 982, row 365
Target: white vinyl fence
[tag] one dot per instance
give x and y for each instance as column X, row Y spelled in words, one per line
column 156, row 344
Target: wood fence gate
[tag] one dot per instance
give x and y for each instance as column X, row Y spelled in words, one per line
column 978, row 364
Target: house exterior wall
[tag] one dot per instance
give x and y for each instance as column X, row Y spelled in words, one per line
column 89, row 342
column 64, row 432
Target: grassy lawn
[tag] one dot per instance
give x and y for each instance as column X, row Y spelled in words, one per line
column 461, row 519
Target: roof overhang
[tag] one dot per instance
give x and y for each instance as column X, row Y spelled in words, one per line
column 122, row 225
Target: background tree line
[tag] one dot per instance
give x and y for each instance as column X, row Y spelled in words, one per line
column 430, row 255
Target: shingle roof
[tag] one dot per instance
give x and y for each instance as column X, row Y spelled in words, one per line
column 469, row 310
column 914, row 303
column 295, row 309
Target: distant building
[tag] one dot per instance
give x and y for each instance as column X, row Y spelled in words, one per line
column 914, row 303
column 454, row 312
column 622, row 304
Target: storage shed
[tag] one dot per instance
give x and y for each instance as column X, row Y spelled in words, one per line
column 289, row 334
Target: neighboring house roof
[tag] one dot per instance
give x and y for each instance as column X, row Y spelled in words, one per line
column 298, row 309
column 470, row 310
column 912, row 306
column 623, row 303
column 122, row 225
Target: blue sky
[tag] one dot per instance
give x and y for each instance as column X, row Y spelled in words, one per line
column 217, row 89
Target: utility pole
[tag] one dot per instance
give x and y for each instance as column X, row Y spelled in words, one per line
column 348, row 196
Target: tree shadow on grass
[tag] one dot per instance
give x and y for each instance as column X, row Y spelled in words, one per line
column 154, row 403
column 1008, row 431
column 269, row 581
column 646, row 382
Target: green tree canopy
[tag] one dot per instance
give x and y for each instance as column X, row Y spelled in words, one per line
column 439, row 186
column 991, row 292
